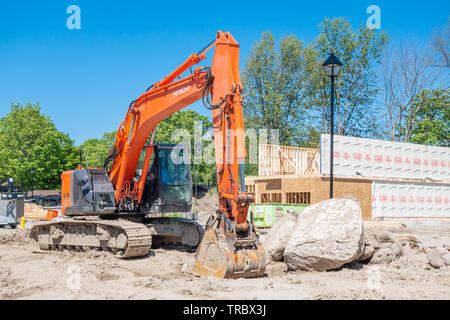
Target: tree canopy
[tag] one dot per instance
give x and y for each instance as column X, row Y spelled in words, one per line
column 30, row 139
column 274, row 80
column 360, row 51
column 432, row 123
column 97, row 149
column 287, row 89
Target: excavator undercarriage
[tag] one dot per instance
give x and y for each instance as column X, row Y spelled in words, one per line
column 126, row 238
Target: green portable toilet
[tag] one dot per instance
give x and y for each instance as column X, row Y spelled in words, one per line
column 265, row 215
column 258, row 215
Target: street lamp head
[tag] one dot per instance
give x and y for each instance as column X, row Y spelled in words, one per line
column 332, row 66
column 33, row 171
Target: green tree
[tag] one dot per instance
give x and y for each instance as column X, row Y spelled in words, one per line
column 312, row 138
column 274, row 81
column 98, row 149
column 432, row 122
column 29, row 139
column 360, row 51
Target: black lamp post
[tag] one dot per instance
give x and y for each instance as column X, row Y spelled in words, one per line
column 332, row 68
column 33, row 172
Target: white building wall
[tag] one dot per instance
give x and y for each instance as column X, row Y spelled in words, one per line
column 392, row 199
column 386, row 159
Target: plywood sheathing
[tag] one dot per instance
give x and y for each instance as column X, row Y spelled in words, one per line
column 318, row 186
column 32, row 211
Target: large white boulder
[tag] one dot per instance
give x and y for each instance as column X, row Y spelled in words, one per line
column 277, row 238
column 328, row 235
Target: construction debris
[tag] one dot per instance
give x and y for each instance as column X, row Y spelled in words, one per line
column 387, row 249
column 33, row 211
column 438, row 257
column 380, row 247
column 328, row 235
column 370, row 244
column 410, row 240
column 381, row 223
column 446, row 258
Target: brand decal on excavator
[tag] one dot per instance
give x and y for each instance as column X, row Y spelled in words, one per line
column 181, row 91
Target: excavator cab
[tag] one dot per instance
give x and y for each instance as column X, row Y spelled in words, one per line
column 168, row 185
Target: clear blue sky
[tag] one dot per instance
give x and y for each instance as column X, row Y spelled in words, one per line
column 84, row 79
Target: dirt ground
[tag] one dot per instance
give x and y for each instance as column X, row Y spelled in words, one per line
column 26, row 272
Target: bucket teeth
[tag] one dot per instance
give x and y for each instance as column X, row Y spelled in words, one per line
column 216, row 257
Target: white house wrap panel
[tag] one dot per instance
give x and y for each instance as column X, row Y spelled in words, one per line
column 391, row 199
column 385, row 159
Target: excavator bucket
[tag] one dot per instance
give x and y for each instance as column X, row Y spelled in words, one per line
column 218, row 256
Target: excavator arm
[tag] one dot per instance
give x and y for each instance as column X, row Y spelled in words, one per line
column 142, row 118
column 230, row 247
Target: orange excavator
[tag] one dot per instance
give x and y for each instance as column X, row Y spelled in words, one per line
column 118, row 207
